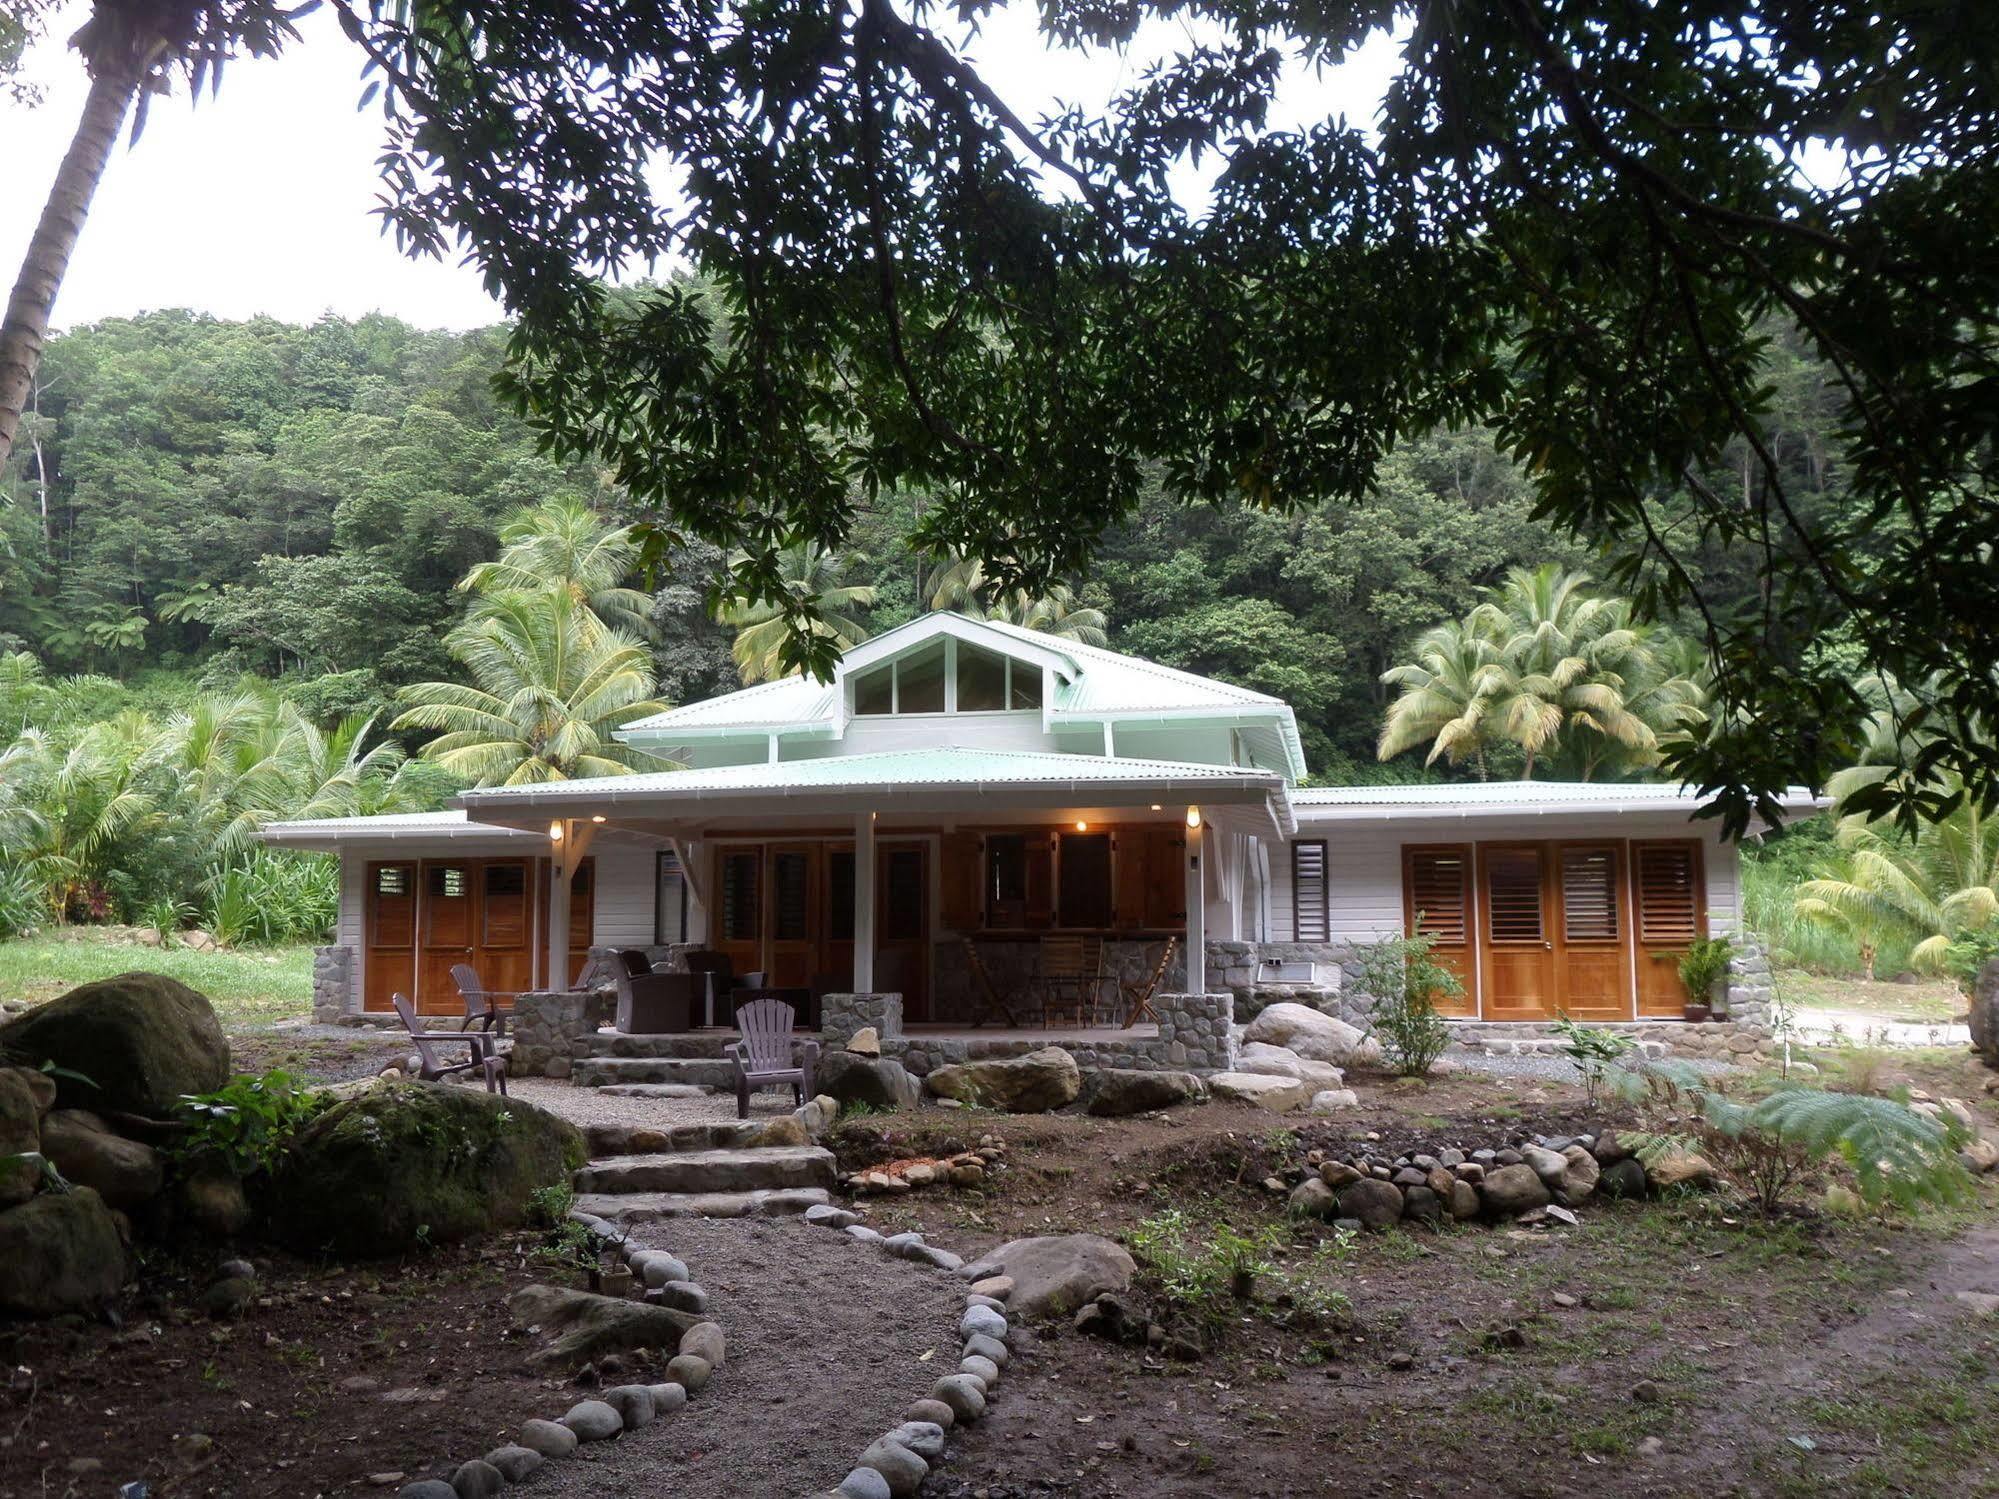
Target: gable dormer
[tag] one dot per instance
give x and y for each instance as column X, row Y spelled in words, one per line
column 944, row 665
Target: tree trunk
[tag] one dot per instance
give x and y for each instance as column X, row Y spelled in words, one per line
column 28, row 310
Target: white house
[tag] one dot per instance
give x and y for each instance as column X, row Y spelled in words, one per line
column 998, row 786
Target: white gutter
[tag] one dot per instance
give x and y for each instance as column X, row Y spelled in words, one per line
column 1309, row 812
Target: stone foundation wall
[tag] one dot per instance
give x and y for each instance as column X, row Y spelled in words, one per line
column 547, row 1027
column 1196, row 1034
column 840, row 1015
column 333, row 996
column 1011, row 967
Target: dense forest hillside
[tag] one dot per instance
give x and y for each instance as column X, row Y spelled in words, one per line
column 210, row 498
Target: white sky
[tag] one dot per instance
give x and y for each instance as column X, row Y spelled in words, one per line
column 258, row 200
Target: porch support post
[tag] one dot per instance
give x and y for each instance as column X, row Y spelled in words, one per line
column 565, row 857
column 1197, row 915
column 864, row 903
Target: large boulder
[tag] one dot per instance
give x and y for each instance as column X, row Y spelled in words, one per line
column 1515, row 1189
column 879, row 1082
column 24, row 1098
column 1313, row 1034
column 61, row 1252
column 581, row 1325
column 135, row 1044
column 1280, row 1095
column 1054, row 1274
column 1116, row 1092
column 411, row 1163
column 125, row 1173
column 1034, row 1084
column 1985, row 1012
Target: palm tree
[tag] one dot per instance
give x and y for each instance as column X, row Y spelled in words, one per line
column 1444, row 701
column 812, row 578
column 552, row 685
column 1545, row 665
column 68, row 806
column 565, row 544
column 1932, row 888
column 130, row 51
column 962, row 586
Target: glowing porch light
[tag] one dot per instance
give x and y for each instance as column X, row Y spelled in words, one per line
column 1193, row 817
column 555, row 832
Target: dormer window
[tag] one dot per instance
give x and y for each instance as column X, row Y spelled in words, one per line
column 948, row 676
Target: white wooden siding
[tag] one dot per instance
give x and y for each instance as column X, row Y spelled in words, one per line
column 1364, row 863
column 626, row 878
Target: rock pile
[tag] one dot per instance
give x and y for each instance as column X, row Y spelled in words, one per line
column 967, row 1168
column 1530, row 1179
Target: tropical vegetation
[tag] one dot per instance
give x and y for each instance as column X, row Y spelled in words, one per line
column 1552, row 673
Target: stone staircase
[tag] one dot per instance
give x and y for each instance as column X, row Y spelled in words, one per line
column 729, row 1170
column 681, row 1061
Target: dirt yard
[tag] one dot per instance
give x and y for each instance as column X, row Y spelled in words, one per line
column 1655, row 1350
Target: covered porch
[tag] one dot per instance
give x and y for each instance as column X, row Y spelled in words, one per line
column 1043, row 893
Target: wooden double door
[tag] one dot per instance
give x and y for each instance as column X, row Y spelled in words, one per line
column 1589, row 929
column 786, row 910
column 424, row 916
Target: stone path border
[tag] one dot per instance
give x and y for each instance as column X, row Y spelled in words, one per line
column 613, row 1411
column 895, row 1464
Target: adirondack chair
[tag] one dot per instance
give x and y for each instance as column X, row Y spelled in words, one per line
column 1138, row 996
column 769, row 1055
column 483, row 1007
column 431, row 1068
column 985, row 996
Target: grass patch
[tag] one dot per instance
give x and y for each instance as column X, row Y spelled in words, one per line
column 252, row 986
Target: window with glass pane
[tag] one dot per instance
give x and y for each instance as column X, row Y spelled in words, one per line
column 1024, row 689
column 669, row 923
column 981, row 680
column 791, row 895
column 740, row 904
column 1006, row 879
column 919, row 681
column 1086, row 879
column 874, row 692
column 840, row 895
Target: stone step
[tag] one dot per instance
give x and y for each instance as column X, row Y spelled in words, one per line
column 732, row 1170
column 637, row 1139
column 695, row 1045
column 626, row 1208
column 705, row 1072
column 654, row 1090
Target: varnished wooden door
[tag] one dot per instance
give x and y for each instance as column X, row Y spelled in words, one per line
column 504, row 945
column 1437, row 903
column 739, row 920
column 389, row 917
column 902, row 925
column 1667, row 882
column 1518, row 970
column 447, row 906
column 793, row 871
column 1590, row 927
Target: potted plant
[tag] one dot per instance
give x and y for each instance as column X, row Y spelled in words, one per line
column 1703, row 965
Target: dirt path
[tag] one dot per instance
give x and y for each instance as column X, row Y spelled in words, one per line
column 827, row 1344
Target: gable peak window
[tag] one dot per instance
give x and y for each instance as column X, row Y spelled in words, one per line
column 947, row 676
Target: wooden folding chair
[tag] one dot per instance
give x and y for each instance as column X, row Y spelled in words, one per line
column 1071, row 977
column 431, row 1068
column 985, row 996
column 1138, row 996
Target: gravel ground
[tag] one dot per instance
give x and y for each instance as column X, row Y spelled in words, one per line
column 829, row 1340
column 1544, row 1068
column 584, row 1106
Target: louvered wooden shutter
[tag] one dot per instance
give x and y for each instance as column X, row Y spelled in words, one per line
column 962, row 881
column 1437, row 884
column 1668, row 884
column 1309, row 921
column 1589, row 895
column 1165, row 877
column 1513, row 894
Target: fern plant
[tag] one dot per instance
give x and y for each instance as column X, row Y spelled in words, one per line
column 1766, row 1147
column 1704, row 964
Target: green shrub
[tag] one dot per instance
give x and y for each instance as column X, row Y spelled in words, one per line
column 22, row 905
column 1704, row 964
column 1970, row 952
column 1206, row 1277
column 1403, row 978
column 248, row 1124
